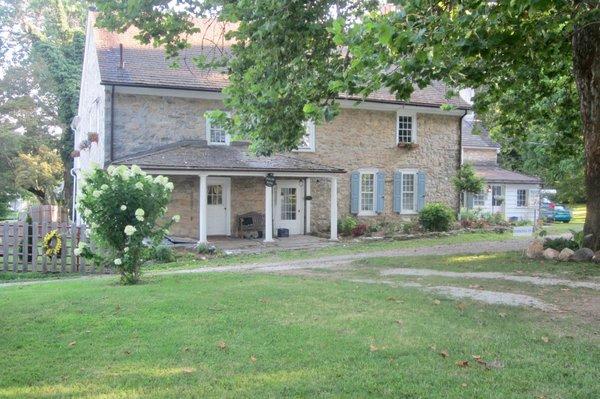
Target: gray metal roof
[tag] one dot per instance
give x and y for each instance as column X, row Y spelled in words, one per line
column 198, row 156
column 495, row 174
column 146, row 66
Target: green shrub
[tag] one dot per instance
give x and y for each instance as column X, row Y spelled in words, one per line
column 206, row 249
column 347, row 224
column 164, row 253
column 436, row 217
column 560, row 243
column 121, row 208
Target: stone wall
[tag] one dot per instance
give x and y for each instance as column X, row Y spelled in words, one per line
column 359, row 139
column 184, row 202
column 480, row 155
column 247, row 195
column 144, row 122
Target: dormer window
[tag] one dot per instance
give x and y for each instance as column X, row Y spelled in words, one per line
column 308, row 140
column 215, row 134
column 406, row 127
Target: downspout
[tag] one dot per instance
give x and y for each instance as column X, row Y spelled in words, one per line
column 112, row 124
column 73, row 173
column 460, row 152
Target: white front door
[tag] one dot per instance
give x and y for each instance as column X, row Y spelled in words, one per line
column 289, row 205
column 217, row 205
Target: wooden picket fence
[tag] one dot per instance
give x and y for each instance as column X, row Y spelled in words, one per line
column 21, row 249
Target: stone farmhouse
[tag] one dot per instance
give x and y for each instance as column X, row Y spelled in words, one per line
column 380, row 159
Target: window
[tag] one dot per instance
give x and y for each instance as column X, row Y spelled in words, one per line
column 214, row 195
column 521, row 197
column 215, row 134
column 367, row 192
column 308, row 140
column 288, row 203
column 406, row 128
column 497, row 197
column 409, row 197
column 479, row 199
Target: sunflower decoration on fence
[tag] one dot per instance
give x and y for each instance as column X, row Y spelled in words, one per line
column 52, row 243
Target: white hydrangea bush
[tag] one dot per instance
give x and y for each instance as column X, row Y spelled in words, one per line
column 123, row 206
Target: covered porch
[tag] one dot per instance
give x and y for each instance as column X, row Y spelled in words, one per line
column 222, row 191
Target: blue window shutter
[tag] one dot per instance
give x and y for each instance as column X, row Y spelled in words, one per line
column 398, row 192
column 354, row 192
column 379, row 204
column 420, row 190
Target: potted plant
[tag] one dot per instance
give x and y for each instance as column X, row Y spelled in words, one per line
column 408, row 145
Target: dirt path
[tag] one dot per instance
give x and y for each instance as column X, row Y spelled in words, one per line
column 535, row 280
column 491, row 297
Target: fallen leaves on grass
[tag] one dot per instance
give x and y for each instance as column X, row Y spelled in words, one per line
column 479, row 360
column 373, row 348
column 72, row 344
column 545, row 339
column 502, row 314
column 253, row 359
column 436, row 301
column 444, row 354
column 399, row 322
column 188, row 370
column 222, row 345
column 462, row 363
column 461, row 305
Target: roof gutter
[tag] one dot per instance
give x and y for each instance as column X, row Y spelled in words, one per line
column 112, row 124
column 218, row 90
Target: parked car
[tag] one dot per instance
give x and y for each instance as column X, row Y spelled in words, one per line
column 547, row 210
column 562, row 214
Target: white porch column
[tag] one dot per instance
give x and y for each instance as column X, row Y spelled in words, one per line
column 307, row 210
column 268, row 214
column 202, row 210
column 333, row 210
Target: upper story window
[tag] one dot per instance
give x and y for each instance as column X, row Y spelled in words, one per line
column 406, row 127
column 215, row 134
column 308, row 140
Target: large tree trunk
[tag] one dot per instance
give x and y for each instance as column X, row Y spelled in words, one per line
column 586, row 66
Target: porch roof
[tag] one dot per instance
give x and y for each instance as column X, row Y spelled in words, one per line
column 495, row 174
column 196, row 155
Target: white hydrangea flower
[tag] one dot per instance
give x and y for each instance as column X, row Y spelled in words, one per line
column 111, row 170
column 140, row 218
column 104, row 187
column 169, row 186
column 97, row 193
column 139, row 212
column 136, row 170
column 123, row 207
column 118, row 262
column 77, row 252
column 176, row 218
column 81, row 245
column 149, row 178
column 129, row 230
column 87, row 213
column 126, row 249
column 139, row 185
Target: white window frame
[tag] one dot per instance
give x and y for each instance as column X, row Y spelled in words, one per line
column 311, row 133
column 371, row 212
column 208, row 136
column 526, row 198
column 479, row 199
column 414, row 173
column 413, row 115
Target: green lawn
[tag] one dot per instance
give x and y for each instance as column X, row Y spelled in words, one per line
column 575, row 224
column 255, row 335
